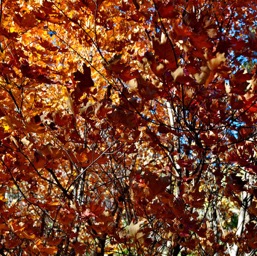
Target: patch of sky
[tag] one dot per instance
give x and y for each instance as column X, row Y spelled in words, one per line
column 153, row 111
column 234, row 127
column 51, row 33
column 233, row 133
column 118, row 8
column 242, row 59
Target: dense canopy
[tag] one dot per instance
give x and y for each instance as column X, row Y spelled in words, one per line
column 128, row 127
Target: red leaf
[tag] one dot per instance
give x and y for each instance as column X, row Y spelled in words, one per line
column 7, row 34
column 167, row 11
column 201, row 41
column 84, row 80
column 127, row 119
column 164, row 50
column 35, row 72
column 27, row 20
column 236, row 103
column 79, row 248
column 47, row 45
column 86, row 214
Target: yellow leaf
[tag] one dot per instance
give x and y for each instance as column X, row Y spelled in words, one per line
column 202, row 77
column 132, row 84
column 3, row 227
column 217, row 61
column 5, row 123
column 49, row 250
column 134, row 228
column 178, row 72
column 2, row 198
column 27, row 236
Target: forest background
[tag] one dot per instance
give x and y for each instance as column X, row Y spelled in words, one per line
column 128, row 127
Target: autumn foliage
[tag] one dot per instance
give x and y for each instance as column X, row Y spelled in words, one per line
column 128, row 127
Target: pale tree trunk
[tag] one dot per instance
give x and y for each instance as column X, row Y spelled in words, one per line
column 243, row 219
column 175, row 158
